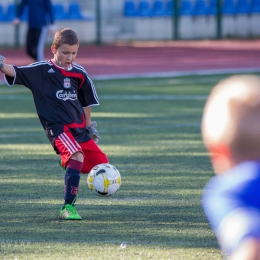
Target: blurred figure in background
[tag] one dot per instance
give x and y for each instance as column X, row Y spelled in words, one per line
column 40, row 23
column 231, row 133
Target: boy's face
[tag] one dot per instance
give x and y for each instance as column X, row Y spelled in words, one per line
column 65, row 54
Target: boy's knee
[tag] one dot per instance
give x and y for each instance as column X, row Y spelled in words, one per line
column 78, row 156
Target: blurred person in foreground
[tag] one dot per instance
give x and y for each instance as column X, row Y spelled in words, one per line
column 231, row 133
column 40, row 23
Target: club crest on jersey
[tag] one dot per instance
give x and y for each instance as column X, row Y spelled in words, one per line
column 66, row 83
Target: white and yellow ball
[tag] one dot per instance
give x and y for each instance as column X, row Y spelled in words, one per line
column 104, row 179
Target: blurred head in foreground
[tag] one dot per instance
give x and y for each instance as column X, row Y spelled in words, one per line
column 231, row 133
column 231, row 122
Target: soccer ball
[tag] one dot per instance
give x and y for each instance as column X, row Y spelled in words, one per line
column 104, row 179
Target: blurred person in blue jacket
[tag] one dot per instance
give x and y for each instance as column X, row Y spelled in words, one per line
column 40, row 23
column 231, row 133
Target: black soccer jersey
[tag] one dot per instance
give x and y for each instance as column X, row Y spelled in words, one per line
column 59, row 96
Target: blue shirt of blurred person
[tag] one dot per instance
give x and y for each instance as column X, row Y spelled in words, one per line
column 231, row 202
column 40, row 12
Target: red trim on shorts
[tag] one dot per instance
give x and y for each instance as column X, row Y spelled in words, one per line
column 67, row 146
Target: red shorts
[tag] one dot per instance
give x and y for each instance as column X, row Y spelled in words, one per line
column 67, row 146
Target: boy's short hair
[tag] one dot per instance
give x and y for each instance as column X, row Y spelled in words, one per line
column 232, row 116
column 65, row 36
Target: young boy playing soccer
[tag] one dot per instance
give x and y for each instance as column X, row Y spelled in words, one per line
column 63, row 95
column 231, row 133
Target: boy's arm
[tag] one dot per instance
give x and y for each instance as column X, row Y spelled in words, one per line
column 91, row 125
column 87, row 111
column 6, row 68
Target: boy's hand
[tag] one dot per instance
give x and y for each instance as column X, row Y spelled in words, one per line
column 92, row 131
column 2, row 58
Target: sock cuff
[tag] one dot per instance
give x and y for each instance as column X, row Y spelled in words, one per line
column 74, row 164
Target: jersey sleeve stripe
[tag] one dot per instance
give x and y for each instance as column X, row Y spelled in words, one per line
column 34, row 64
column 77, row 66
column 94, row 90
column 11, row 83
column 91, row 82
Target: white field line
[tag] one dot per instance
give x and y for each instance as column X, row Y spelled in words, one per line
column 153, row 97
column 146, row 82
column 118, row 129
column 177, row 73
column 121, row 97
column 171, row 74
column 16, row 97
column 19, row 135
column 28, row 243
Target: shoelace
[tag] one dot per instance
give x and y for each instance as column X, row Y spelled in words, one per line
column 71, row 206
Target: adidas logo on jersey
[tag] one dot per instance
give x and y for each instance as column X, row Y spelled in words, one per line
column 51, row 70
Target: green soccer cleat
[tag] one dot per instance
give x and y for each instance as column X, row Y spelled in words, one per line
column 68, row 212
column 60, row 163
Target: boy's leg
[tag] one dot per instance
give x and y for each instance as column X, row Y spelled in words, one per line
column 41, row 43
column 71, row 154
column 32, row 42
column 72, row 178
column 71, row 187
